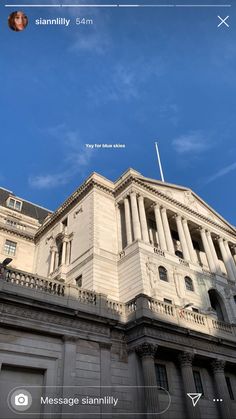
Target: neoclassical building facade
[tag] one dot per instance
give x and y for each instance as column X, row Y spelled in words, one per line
column 125, row 295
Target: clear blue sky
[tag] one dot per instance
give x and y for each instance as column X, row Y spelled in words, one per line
column 134, row 76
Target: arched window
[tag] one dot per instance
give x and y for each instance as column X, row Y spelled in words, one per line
column 162, row 273
column 179, row 254
column 235, row 299
column 189, row 283
column 218, row 305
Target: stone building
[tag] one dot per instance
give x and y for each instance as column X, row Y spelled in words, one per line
column 126, row 293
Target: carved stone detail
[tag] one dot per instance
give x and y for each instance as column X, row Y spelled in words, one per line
column 146, row 349
column 218, row 365
column 152, row 272
column 186, row 359
column 53, row 319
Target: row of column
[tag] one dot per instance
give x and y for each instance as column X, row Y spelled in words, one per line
column 65, row 257
column 212, row 257
column 148, row 351
column 140, row 228
column 136, row 222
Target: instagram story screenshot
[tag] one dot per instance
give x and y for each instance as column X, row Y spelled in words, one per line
column 118, row 209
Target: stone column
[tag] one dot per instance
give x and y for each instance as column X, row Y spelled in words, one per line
column 231, row 261
column 128, row 221
column 135, row 216
column 52, row 259
column 192, row 254
column 143, row 219
column 218, row 366
column 226, row 259
column 213, row 252
column 186, row 359
column 169, row 241
column 151, row 236
column 56, row 260
column 147, row 352
column 119, row 235
column 64, row 246
column 182, row 238
column 207, row 250
column 68, row 253
column 160, row 230
column 234, row 247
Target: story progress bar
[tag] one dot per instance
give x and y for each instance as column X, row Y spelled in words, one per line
column 120, row 5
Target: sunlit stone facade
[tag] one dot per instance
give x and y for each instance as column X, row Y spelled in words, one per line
column 128, row 283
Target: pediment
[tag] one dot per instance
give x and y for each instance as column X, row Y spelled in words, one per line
column 189, row 199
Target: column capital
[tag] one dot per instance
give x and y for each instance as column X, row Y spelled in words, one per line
column 178, row 216
column 53, row 248
column 146, row 349
column 126, row 196
column 70, row 338
column 201, row 229
column 186, row 359
column 218, row 365
column 105, row 345
column 156, row 205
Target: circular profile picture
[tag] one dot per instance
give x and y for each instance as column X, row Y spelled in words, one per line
column 17, row 21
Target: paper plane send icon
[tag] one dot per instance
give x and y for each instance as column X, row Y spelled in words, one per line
column 194, row 397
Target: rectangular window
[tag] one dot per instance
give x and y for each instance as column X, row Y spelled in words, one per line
column 230, row 390
column 78, row 281
column 18, row 205
column 11, row 203
column 64, row 225
column 14, row 204
column 198, row 382
column 10, row 248
column 161, row 376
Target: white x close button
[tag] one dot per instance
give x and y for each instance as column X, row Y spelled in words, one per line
column 223, row 21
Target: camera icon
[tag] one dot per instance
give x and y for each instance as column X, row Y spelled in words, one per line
column 21, row 399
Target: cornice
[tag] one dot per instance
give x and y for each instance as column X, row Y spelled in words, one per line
column 19, row 233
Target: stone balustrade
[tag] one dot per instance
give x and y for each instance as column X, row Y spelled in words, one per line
column 34, row 282
column 191, row 316
column 225, row 327
column 115, row 307
column 90, row 301
column 87, row 297
column 161, row 307
column 131, row 306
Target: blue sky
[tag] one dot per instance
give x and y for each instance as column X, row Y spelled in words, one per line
column 134, row 76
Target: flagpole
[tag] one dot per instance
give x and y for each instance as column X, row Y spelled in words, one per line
column 159, row 162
